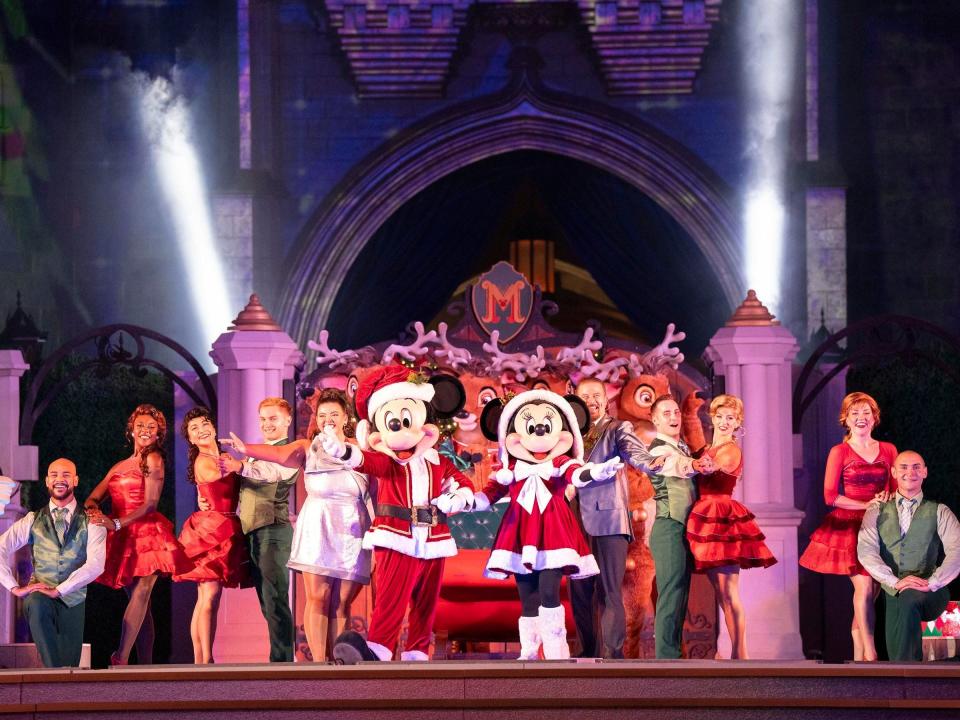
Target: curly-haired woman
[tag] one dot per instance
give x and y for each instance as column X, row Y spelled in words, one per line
column 140, row 542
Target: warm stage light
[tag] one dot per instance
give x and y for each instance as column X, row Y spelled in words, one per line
column 166, row 120
column 768, row 34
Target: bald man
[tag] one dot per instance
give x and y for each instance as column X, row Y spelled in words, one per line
column 911, row 546
column 68, row 554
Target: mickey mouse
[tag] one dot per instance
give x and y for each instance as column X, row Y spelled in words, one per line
column 539, row 540
column 416, row 490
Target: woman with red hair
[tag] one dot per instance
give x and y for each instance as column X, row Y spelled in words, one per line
column 140, row 541
column 858, row 471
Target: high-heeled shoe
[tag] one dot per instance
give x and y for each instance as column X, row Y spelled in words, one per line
column 115, row 659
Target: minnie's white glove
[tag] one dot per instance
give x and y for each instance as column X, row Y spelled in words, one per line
column 606, row 470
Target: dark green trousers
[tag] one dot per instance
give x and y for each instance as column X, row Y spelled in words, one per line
column 57, row 630
column 905, row 612
column 671, row 555
column 269, row 552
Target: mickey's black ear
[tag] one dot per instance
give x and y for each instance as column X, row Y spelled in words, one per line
column 490, row 419
column 580, row 411
column 449, row 395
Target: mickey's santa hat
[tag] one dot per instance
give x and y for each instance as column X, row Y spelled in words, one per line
column 390, row 382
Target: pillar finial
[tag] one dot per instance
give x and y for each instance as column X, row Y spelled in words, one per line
column 255, row 317
column 752, row 312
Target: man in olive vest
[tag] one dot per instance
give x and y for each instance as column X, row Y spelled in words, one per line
column 675, row 492
column 68, row 554
column 264, row 517
column 911, row 546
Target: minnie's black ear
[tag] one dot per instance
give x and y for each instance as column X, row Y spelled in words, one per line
column 580, row 411
column 449, row 395
column 490, row 419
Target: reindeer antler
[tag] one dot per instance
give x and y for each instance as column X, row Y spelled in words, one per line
column 326, row 355
column 455, row 357
column 578, row 354
column 415, row 349
column 659, row 356
column 605, row 371
column 521, row 364
column 581, row 358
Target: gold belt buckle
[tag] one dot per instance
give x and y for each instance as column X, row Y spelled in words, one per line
column 415, row 515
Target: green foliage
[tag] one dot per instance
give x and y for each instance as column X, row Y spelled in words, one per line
column 86, row 423
column 918, row 406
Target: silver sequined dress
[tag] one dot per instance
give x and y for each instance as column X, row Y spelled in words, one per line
column 330, row 527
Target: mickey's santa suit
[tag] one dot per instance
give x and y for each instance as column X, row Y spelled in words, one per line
column 416, row 490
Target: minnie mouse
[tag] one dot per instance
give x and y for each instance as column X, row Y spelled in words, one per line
column 416, row 490
column 539, row 541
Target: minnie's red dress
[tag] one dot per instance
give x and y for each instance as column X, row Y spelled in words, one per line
column 833, row 545
column 539, row 539
column 720, row 530
column 145, row 546
column 214, row 540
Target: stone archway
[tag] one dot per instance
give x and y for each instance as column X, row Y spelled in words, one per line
column 524, row 116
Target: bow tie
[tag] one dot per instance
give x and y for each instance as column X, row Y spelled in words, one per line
column 534, row 490
column 522, row 470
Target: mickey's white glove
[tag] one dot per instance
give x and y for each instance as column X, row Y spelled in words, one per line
column 606, row 470
column 332, row 445
column 450, row 503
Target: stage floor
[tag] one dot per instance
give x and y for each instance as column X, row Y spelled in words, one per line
column 459, row 689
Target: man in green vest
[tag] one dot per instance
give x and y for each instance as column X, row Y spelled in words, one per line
column 264, row 517
column 68, row 554
column 675, row 492
column 911, row 546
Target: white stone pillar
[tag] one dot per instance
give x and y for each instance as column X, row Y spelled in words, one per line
column 253, row 358
column 754, row 354
column 18, row 462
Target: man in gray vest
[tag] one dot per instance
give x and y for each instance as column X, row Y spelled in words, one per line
column 68, row 553
column 911, row 546
column 603, row 509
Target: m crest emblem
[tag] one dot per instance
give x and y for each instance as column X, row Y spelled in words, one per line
column 502, row 300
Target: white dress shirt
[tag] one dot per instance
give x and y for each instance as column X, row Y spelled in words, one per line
column 868, row 542
column 18, row 535
column 678, row 462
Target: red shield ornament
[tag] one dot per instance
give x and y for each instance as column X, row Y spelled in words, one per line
column 502, row 299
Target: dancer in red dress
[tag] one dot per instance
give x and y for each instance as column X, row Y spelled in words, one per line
column 213, row 539
column 140, row 541
column 858, row 471
column 723, row 535
column 539, row 540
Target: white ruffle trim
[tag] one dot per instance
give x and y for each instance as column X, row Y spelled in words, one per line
column 505, row 562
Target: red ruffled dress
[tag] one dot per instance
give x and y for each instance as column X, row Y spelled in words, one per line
column 720, row 530
column 145, row 546
column 534, row 540
column 214, row 540
column 833, row 545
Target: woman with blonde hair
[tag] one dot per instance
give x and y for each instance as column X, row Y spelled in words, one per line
column 858, row 471
column 723, row 534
